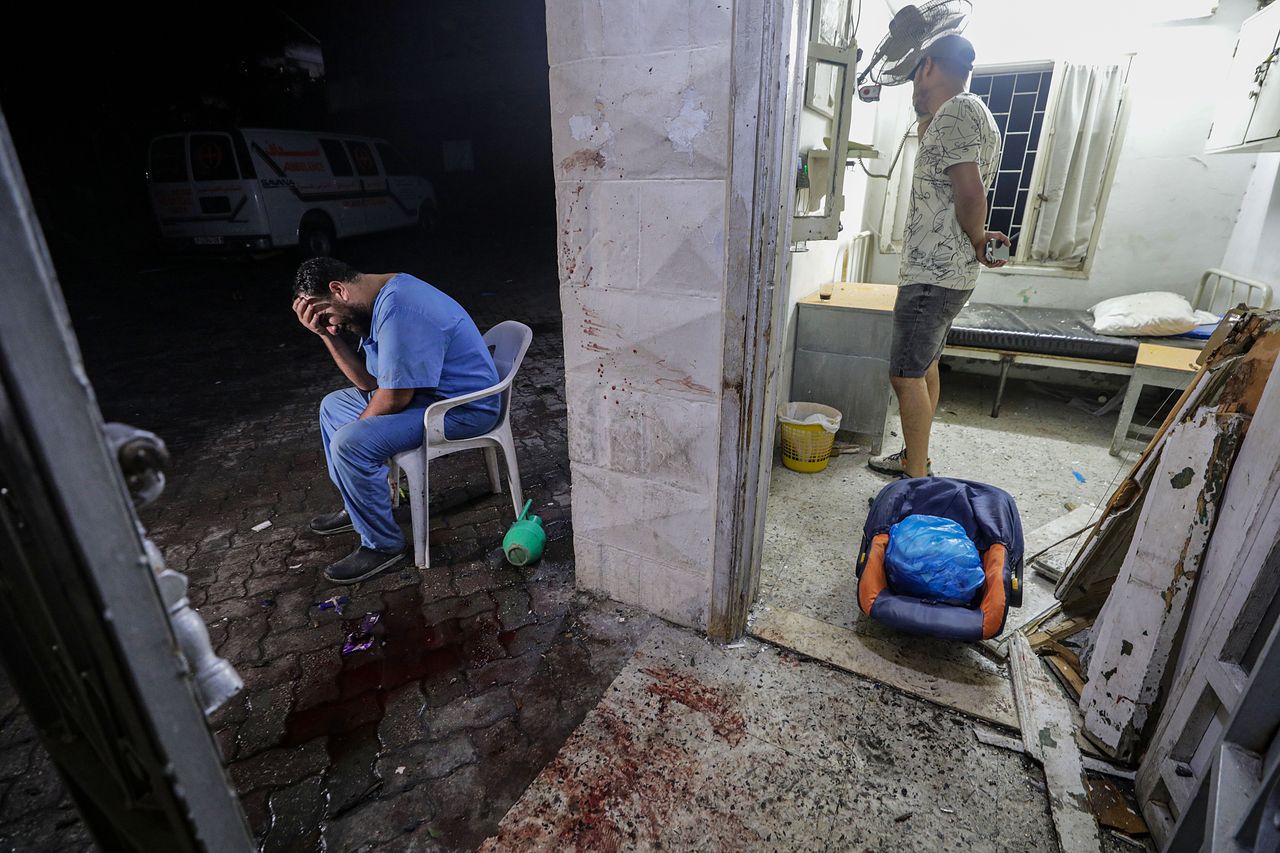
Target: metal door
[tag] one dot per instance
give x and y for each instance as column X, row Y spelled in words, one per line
column 83, row 627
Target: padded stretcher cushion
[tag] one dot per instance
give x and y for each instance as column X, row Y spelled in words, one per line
column 990, row 518
column 1041, row 331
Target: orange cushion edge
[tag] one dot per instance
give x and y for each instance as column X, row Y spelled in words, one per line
column 873, row 581
column 993, row 600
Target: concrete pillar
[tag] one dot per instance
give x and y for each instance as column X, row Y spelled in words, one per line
column 641, row 119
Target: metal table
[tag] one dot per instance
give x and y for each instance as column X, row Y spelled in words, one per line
column 842, row 356
column 1159, row 365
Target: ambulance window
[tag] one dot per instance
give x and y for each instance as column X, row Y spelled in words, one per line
column 363, row 158
column 168, row 160
column 392, row 162
column 212, row 158
column 339, row 165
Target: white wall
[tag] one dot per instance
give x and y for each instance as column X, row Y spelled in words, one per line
column 1254, row 249
column 1172, row 209
column 817, row 264
column 812, row 268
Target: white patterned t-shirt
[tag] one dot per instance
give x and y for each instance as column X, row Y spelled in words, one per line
column 935, row 249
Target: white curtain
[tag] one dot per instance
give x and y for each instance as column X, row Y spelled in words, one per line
column 1084, row 125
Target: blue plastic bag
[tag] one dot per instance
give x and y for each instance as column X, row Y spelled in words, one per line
column 933, row 559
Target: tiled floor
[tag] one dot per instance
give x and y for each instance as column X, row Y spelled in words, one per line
column 1034, row 451
column 703, row 747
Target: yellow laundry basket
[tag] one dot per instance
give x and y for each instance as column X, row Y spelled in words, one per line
column 808, row 433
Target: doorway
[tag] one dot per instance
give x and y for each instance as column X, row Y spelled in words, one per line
column 1049, row 447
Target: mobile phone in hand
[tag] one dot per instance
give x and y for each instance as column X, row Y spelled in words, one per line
column 997, row 251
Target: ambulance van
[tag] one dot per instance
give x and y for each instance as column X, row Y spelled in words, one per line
column 251, row 189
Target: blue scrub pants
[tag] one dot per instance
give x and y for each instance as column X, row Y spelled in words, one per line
column 357, row 452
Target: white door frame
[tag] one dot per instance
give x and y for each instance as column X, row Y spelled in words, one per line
column 766, row 70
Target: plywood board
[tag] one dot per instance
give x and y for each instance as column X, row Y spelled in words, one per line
column 1048, row 734
column 864, row 297
column 1037, row 601
column 1168, row 358
column 1068, row 676
column 899, row 661
column 1042, row 537
column 1038, row 592
column 1056, row 629
column 1112, row 809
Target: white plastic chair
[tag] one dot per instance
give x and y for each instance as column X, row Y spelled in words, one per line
column 510, row 341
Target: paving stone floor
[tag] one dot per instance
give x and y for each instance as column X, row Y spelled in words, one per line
column 478, row 672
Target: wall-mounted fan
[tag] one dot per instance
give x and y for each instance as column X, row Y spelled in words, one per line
column 910, row 32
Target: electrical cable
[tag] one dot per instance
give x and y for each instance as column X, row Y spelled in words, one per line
column 1093, row 517
column 1044, row 551
column 1123, row 465
column 897, row 155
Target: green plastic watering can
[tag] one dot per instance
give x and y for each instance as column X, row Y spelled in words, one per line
column 525, row 540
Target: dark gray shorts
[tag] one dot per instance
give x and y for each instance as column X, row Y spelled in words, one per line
column 922, row 316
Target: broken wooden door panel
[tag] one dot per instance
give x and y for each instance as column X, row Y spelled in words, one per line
column 1235, row 805
column 1087, row 580
column 1233, row 607
column 1137, row 628
column 1236, row 364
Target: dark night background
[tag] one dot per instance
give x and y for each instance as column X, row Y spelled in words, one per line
column 84, row 91
column 206, row 352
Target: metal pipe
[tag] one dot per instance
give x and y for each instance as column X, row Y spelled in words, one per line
column 215, row 678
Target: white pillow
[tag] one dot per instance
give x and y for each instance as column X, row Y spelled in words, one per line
column 1155, row 313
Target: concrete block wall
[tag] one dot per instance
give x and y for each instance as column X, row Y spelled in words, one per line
column 640, row 115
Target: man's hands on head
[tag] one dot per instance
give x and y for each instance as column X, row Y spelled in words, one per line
column 980, row 247
column 313, row 314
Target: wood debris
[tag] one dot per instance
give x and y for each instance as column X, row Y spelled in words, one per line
column 1048, row 735
column 1152, row 590
column 1112, row 807
column 1050, row 548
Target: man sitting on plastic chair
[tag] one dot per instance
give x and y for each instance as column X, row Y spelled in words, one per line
column 419, row 346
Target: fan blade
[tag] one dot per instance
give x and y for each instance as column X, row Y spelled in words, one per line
column 895, row 47
column 909, row 25
column 897, row 75
column 948, row 24
column 910, row 30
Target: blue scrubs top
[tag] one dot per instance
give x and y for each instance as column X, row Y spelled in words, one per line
column 421, row 338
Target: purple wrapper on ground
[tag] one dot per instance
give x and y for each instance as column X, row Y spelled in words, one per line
column 360, row 638
column 335, row 604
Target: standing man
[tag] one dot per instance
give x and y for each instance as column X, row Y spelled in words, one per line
column 945, row 239
column 419, row 346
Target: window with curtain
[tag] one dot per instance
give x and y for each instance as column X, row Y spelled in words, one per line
column 1083, row 142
